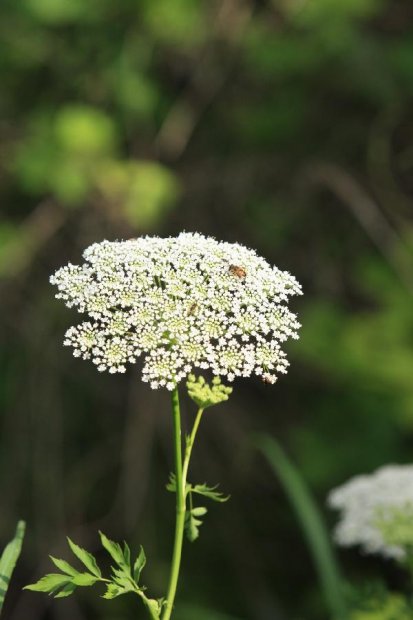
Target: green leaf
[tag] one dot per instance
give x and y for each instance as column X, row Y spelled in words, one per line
column 112, row 591
column 210, row 492
column 193, row 523
column 121, row 575
column 311, row 521
column 200, row 511
column 113, row 548
column 84, row 579
column 139, row 565
column 120, row 585
column 85, row 557
column 64, row 566
column 66, row 591
column 171, row 486
column 126, row 553
column 49, row 583
column 9, row 558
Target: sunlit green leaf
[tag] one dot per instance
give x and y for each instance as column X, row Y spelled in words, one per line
column 49, row 583
column 113, row 548
column 64, row 566
column 139, row 565
column 84, row 579
column 112, row 591
column 67, row 590
column 86, row 558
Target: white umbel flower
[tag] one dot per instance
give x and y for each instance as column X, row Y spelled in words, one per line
column 183, row 303
column 376, row 511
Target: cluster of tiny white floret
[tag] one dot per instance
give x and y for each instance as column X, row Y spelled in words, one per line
column 183, row 303
column 372, row 504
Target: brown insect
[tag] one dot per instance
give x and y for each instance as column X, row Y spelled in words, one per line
column 192, row 308
column 239, row 272
column 268, row 380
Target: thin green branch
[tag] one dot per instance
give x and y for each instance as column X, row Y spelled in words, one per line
column 189, row 445
column 181, row 473
column 180, row 509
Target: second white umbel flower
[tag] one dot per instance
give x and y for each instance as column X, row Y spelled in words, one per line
column 377, row 511
column 183, row 303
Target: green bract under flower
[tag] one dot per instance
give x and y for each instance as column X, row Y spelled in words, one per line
column 183, row 303
column 205, row 395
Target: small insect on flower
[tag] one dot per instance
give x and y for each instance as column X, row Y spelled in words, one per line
column 239, row 272
column 192, row 309
column 268, row 379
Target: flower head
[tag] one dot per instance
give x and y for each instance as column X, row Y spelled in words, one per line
column 183, row 303
column 376, row 511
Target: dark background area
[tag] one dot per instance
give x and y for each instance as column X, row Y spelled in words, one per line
column 285, row 125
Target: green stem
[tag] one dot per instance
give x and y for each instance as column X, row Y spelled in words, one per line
column 189, row 445
column 181, row 472
column 180, row 509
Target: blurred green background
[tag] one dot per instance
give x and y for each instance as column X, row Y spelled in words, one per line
column 286, row 125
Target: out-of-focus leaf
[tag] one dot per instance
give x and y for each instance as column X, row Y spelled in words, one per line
column 63, row 152
column 324, row 12
column 84, row 130
column 9, row 558
column 394, row 607
column 136, row 93
column 311, row 521
column 176, row 21
column 57, row 11
column 144, row 190
column 279, row 120
column 281, row 56
column 10, row 244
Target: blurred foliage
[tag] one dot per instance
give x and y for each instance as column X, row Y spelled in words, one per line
column 8, row 560
column 383, row 605
column 282, row 124
column 312, row 524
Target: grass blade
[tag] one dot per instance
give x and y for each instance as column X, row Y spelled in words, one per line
column 312, row 524
column 8, row 560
